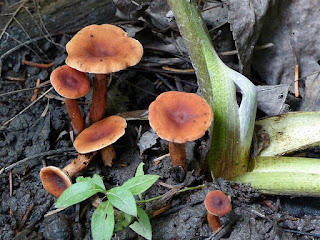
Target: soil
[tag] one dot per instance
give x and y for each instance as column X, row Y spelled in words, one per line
column 41, row 135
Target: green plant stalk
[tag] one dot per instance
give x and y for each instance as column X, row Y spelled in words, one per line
column 231, row 133
column 284, row 175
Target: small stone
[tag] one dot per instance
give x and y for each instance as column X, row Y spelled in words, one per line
column 57, row 228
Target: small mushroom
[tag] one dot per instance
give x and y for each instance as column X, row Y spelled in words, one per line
column 101, row 135
column 102, row 49
column 71, row 84
column 179, row 117
column 56, row 180
column 217, row 204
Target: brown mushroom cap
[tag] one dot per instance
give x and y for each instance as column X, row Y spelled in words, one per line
column 54, row 180
column 69, row 82
column 180, row 117
column 100, row 134
column 103, row 49
column 217, row 203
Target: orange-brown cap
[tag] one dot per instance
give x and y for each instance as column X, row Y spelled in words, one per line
column 54, row 180
column 217, row 203
column 69, row 82
column 180, row 117
column 103, row 49
column 100, row 134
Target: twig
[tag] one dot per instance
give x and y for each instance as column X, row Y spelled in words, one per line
column 184, row 81
column 15, row 79
column 24, row 218
column 178, row 70
column 25, row 109
column 296, row 81
column 178, row 83
column 10, row 183
column 149, row 69
column 166, row 82
column 38, row 65
column 301, row 233
column 179, row 191
column 50, row 152
column 209, row 8
column 54, row 211
column 161, row 210
column 26, row 89
column 233, row 52
column 36, row 91
column 161, row 157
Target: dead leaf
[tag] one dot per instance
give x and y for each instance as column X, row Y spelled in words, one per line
column 147, row 140
column 272, row 98
column 292, row 25
column 246, row 18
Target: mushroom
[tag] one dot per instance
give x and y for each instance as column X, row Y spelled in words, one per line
column 100, row 135
column 56, row 180
column 179, row 117
column 71, row 84
column 102, row 49
column 217, row 204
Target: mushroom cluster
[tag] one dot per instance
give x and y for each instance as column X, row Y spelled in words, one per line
column 102, row 49
column 177, row 117
column 98, row 49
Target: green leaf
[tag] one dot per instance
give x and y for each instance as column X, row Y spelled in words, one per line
column 140, row 171
column 137, row 185
column 122, row 221
column 96, row 179
column 77, row 193
column 143, row 227
column 102, row 222
column 122, row 199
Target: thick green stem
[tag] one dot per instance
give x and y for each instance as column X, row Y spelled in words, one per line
column 231, row 134
column 284, row 175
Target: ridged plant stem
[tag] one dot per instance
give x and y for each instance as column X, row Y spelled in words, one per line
column 231, row 133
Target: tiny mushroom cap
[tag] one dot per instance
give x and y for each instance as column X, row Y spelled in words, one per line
column 103, row 49
column 217, row 203
column 54, row 180
column 180, row 117
column 100, row 134
column 69, row 82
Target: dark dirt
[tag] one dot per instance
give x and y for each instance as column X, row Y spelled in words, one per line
column 45, row 127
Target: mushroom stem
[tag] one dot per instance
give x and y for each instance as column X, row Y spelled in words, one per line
column 78, row 164
column 178, row 154
column 214, row 222
column 99, row 98
column 75, row 115
column 55, row 180
column 107, row 155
